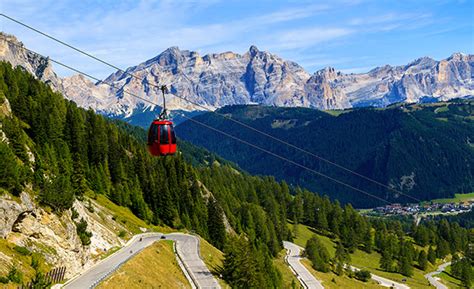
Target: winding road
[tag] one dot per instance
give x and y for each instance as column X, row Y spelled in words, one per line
column 293, row 258
column 433, row 280
column 384, row 281
column 187, row 248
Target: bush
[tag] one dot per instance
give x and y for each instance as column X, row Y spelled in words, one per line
column 14, row 275
column 122, row 234
column 363, row 275
column 82, row 232
column 89, row 206
column 4, row 280
column 74, row 213
column 22, row 250
column 35, row 262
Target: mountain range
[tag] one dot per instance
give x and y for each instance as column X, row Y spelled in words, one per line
column 255, row 77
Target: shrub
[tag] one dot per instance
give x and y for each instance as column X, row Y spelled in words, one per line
column 82, row 232
column 122, row 234
column 74, row 213
column 22, row 250
column 363, row 275
column 14, row 275
column 4, row 280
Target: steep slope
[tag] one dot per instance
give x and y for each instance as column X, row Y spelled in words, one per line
column 424, row 151
column 63, row 153
column 11, row 50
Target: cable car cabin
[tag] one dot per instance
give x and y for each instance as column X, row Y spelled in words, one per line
column 161, row 138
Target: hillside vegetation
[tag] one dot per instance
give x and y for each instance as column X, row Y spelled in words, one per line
column 425, row 151
column 64, row 153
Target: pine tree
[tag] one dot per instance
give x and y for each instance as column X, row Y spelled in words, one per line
column 341, row 259
column 368, row 240
column 405, row 266
column 215, row 224
column 317, row 254
column 386, row 262
column 431, row 255
column 442, row 248
column 9, row 170
column 422, row 260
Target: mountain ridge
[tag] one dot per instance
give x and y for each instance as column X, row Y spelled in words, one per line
column 256, row 77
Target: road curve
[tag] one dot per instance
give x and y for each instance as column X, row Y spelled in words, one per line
column 309, row 281
column 187, row 247
column 384, row 281
column 293, row 257
column 433, row 280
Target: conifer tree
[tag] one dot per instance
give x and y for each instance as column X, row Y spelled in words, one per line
column 422, row 260
column 215, row 224
column 431, row 255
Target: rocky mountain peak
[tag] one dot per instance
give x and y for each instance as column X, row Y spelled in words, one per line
column 327, row 74
column 253, row 50
column 219, row 79
column 12, row 50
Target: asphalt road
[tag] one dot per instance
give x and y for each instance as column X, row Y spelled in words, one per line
column 309, row 281
column 384, row 281
column 293, row 258
column 187, row 247
column 433, row 280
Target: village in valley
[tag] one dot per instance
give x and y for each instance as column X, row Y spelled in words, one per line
column 460, row 204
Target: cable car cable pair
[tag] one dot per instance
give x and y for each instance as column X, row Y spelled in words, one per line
column 199, row 105
column 207, row 109
column 211, row 128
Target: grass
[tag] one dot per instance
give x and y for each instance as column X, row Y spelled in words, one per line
column 154, row 267
column 20, row 260
column 362, row 259
column 337, row 112
column 371, row 261
column 287, row 275
column 122, row 215
column 332, row 281
column 304, row 233
column 441, row 109
column 457, row 198
column 213, row 258
column 448, row 279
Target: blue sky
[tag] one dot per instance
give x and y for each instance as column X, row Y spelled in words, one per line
column 350, row 35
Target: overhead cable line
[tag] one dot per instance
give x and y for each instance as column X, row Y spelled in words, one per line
column 215, row 112
column 211, row 128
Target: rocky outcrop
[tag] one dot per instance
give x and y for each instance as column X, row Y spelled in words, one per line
column 216, row 80
column 13, row 51
column 54, row 235
column 11, row 211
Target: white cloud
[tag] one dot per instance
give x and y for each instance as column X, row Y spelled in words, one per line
column 307, row 37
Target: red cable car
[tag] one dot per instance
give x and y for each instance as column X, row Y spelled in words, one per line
column 161, row 137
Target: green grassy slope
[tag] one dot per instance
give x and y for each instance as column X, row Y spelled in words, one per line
column 362, row 259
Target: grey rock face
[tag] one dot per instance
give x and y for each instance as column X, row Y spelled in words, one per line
column 12, row 50
column 256, row 77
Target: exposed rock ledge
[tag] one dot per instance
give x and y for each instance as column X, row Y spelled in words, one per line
column 24, row 223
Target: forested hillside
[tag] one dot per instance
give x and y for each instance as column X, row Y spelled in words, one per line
column 425, row 151
column 65, row 152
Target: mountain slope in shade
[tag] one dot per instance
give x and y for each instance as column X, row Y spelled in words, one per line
column 255, row 77
column 425, row 151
